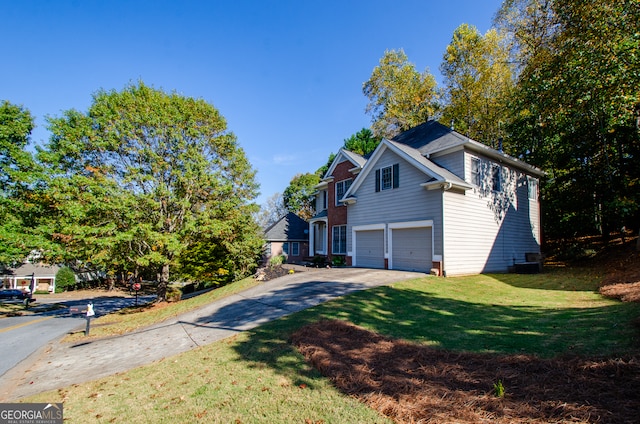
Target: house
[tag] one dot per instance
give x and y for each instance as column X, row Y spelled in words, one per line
column 328, row 228
column 42, row 277
column 433, row 199
column 288, row 236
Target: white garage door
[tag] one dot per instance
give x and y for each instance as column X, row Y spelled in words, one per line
column 411, row 249
column 370, row 249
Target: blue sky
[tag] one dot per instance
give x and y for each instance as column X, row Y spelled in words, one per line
column 287, row 75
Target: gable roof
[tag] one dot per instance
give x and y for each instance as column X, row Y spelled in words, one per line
column 343, row 154
column 289, row 227
column 28, row 268
column 432, row 138
column 436, row 175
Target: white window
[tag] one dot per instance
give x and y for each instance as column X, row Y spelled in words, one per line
column 475, row 172
column 285, row 248
column 495, row 178
column 339, row 240
column 387, row 177
column 295, row 248
column 532, row 186
column 341, row 189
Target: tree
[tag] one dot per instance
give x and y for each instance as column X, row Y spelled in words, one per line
column 299, row 195
column 271, row 211
column 143, row 177
column 530, row 26
column 478, row 80
column 363, row 142
column 324, row 168
column 399, row 96
column 18, row 179
column 575, row 114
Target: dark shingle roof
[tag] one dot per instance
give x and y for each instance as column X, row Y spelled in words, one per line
column 430, row 137
column 289, row 227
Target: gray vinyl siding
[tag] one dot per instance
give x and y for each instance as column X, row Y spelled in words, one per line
column 488, row 231
column 453, row 162
column 408, row 202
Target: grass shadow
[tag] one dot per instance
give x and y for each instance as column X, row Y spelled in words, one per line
column 453, row 325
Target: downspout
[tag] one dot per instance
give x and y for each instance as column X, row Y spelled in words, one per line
column 445, row 187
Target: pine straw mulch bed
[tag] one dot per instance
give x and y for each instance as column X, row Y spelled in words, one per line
column 623, row 275
column 411, row 383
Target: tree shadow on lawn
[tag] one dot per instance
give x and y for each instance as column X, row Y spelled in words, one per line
column 555, row 278
column 508, row 342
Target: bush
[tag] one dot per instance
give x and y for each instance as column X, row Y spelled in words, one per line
column 65, row 279
column 338, row 261
column 174, row 294
column 277, row 260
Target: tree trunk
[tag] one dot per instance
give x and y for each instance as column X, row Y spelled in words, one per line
column 638, row 241
column 163, row 282
column 111, row 283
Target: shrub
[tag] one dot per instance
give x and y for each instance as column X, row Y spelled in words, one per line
column 174, row 294
column 65, row 279
column 277, row 260
column 338, row 261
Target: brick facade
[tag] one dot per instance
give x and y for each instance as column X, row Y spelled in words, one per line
column 337, row 214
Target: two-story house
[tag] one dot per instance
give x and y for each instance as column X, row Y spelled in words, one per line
column 328, row 228
column 432, row 198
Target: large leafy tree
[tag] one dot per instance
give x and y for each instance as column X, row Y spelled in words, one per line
column 576, row 110
column 478, row 80
column 299, row 197
column 18, row 180
column 399, row 96
column 144, row 177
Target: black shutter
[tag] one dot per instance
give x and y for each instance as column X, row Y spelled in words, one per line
column 396, row 176
column 377, row 180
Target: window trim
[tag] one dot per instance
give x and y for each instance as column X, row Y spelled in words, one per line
column 476, row 175
column 295, row 248
column 345, row 186
column 342, row 238
column 496, row 178
column 395, row 177
column 532, row 188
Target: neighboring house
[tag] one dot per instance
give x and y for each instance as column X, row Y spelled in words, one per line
column 432, row 198
column 289, row 236
column 328, row 228
column 43, row 277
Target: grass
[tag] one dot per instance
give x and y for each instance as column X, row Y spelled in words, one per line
column 258, row 377
column 136, row 317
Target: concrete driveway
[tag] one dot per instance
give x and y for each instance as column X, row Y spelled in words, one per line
column 59, row 365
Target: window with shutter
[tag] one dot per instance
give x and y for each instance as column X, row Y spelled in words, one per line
column 388, row 177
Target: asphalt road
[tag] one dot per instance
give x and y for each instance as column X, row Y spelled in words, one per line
column 21, row 336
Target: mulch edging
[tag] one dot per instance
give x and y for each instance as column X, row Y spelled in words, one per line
column 411, row 383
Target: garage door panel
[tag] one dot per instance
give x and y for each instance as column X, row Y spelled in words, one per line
column 370, row 249
column 412, row 249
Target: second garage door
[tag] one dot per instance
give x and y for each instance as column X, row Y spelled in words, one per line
column 411, row 249
column 370, row 249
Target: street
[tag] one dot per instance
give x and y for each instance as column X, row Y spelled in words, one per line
column 23, row 335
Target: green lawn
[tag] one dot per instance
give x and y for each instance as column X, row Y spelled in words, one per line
column 257, row 377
